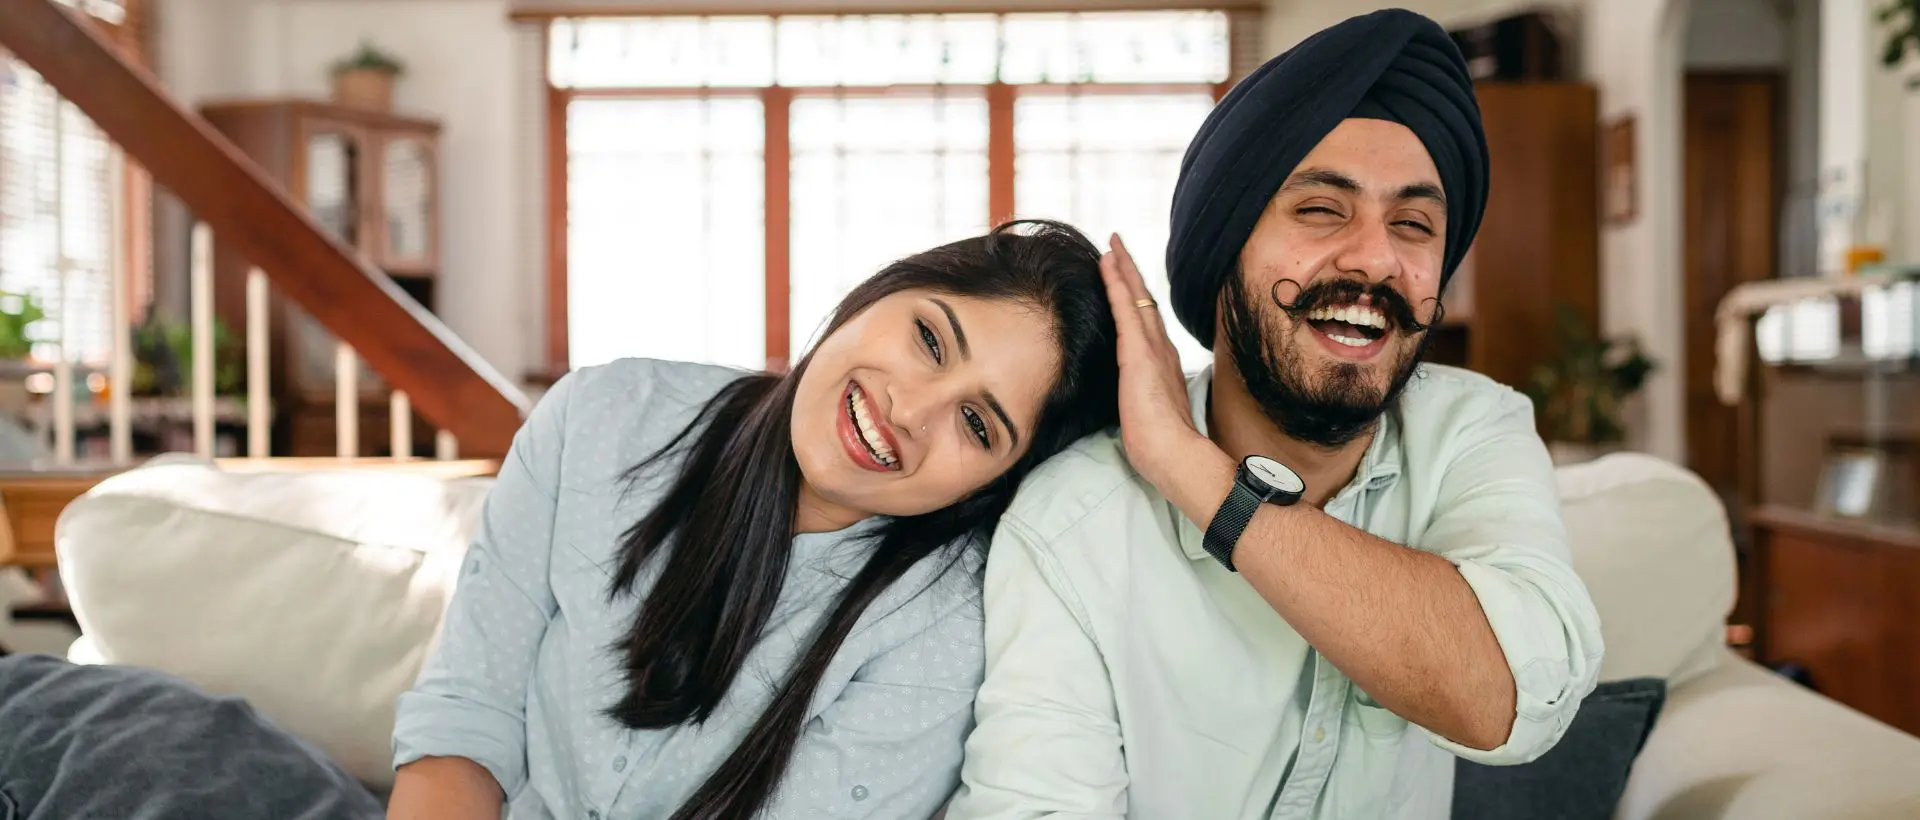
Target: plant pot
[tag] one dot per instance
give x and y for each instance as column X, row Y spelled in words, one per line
column 364, row 88
column 1577, row 452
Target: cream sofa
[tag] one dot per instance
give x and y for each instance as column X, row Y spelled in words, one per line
column 317, row 597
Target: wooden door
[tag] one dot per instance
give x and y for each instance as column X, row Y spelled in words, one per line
column 1732, row 197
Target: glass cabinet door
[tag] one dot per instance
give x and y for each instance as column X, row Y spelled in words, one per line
column 406, row 193
column 334, row 163
column 333, row 184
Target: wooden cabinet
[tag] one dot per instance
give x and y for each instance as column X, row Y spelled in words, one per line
column 1842, row 601
column 369, row 180
column 1539, row 243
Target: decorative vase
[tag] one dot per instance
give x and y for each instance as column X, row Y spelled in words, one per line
column 364, row 88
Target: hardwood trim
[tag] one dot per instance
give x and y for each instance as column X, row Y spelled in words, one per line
column 777, row 150
column 647, row 91
column 321, row 109
column 558, row 356
column 1813, row 525
column 1001, row 156
column 450, row 385
column 550, row 9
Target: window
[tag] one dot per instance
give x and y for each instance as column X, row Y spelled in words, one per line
column 729, row 178
column 664, row 229
column 876, row 179
column 57, row 194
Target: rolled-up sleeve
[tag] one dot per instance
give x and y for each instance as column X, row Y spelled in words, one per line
column 1497, row 519
column 470, row 698
column 889, row 746
column 1048, row 740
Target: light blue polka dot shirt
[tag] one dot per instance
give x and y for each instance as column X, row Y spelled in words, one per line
column 521, row 677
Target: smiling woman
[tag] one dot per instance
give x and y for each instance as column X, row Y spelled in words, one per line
column 772, row 513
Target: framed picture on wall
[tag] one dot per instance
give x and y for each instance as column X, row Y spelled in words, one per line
column 1619, row 172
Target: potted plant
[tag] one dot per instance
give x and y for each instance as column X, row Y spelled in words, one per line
column 1580, row 392
column 1902, row 19
column 18, row 312
column 163, row 359
column 365, row 78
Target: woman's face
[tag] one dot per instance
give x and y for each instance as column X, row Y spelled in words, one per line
column 916, row 402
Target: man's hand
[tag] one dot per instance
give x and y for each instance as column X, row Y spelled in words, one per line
column 1156, row 421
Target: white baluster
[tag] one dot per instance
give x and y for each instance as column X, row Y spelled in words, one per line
column 62, row 397
column 401, row 410
column 120, row 368
column 259, row 422
column 346, row 402
column 200, row 294
column 445, row 446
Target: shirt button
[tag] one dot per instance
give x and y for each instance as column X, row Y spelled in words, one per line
column 859, row 792
column 593, row 815
column 474, row 568
column 620, row 763
column 1319, row 734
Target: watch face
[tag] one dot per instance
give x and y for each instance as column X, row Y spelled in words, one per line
column 1275, row 475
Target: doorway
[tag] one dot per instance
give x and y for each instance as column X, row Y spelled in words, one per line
column 1732, row 202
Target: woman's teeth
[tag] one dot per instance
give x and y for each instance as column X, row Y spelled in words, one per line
column 863, row 421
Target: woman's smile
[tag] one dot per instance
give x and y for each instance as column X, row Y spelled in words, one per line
column 863, row 431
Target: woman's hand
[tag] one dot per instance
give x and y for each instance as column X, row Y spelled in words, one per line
column 1156, row 421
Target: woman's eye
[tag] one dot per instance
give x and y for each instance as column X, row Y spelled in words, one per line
column 978, row 425
column 1418, row 226
column 928, row 339
column 1316, row 209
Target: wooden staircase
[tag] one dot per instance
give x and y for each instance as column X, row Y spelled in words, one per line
column 446, row 382
column 432, row 371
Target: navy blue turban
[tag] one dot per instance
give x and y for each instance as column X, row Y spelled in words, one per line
column 1391, row 65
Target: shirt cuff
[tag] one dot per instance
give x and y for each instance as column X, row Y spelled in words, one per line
column 428, row 725
column 1553, row 657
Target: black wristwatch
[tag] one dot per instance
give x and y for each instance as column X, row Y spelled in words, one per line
column 1260, row 480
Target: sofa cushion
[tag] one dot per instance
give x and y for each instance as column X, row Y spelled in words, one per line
column 1650, row 540
column 136, row 744
column 314, row 595
column 1582, row 776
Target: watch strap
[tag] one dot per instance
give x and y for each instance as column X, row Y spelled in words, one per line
column 1229, row 522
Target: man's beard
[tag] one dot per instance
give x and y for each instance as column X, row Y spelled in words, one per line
column 1336, row 405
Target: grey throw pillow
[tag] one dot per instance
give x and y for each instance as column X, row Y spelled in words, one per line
column 1581, row 777
column 136, row 744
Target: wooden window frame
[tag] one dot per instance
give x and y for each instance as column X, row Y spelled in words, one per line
column 777, row 101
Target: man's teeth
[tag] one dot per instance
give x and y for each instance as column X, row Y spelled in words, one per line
column 869, row 434
column 1351, row 314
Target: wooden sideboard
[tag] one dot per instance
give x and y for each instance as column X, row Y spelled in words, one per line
column 1842, row 600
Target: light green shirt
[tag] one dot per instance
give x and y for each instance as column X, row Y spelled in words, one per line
column 1130, row 675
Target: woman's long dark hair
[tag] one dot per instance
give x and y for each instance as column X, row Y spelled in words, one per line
column 733, row 500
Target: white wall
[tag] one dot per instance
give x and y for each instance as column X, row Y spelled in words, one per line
column 462, row 59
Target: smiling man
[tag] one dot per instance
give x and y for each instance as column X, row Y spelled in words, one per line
column 1300, row 583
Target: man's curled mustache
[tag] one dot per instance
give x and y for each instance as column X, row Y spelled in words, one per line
column 1330, row 292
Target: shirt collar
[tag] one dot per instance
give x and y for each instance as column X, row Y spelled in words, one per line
column 1379, row 467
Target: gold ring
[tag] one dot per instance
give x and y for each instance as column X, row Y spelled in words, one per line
column 1143, row 303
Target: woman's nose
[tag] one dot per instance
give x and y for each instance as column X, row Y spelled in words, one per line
column 913, row 406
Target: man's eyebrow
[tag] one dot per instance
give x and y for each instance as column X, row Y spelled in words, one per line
column 1321, row 178
column 1424, row 190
